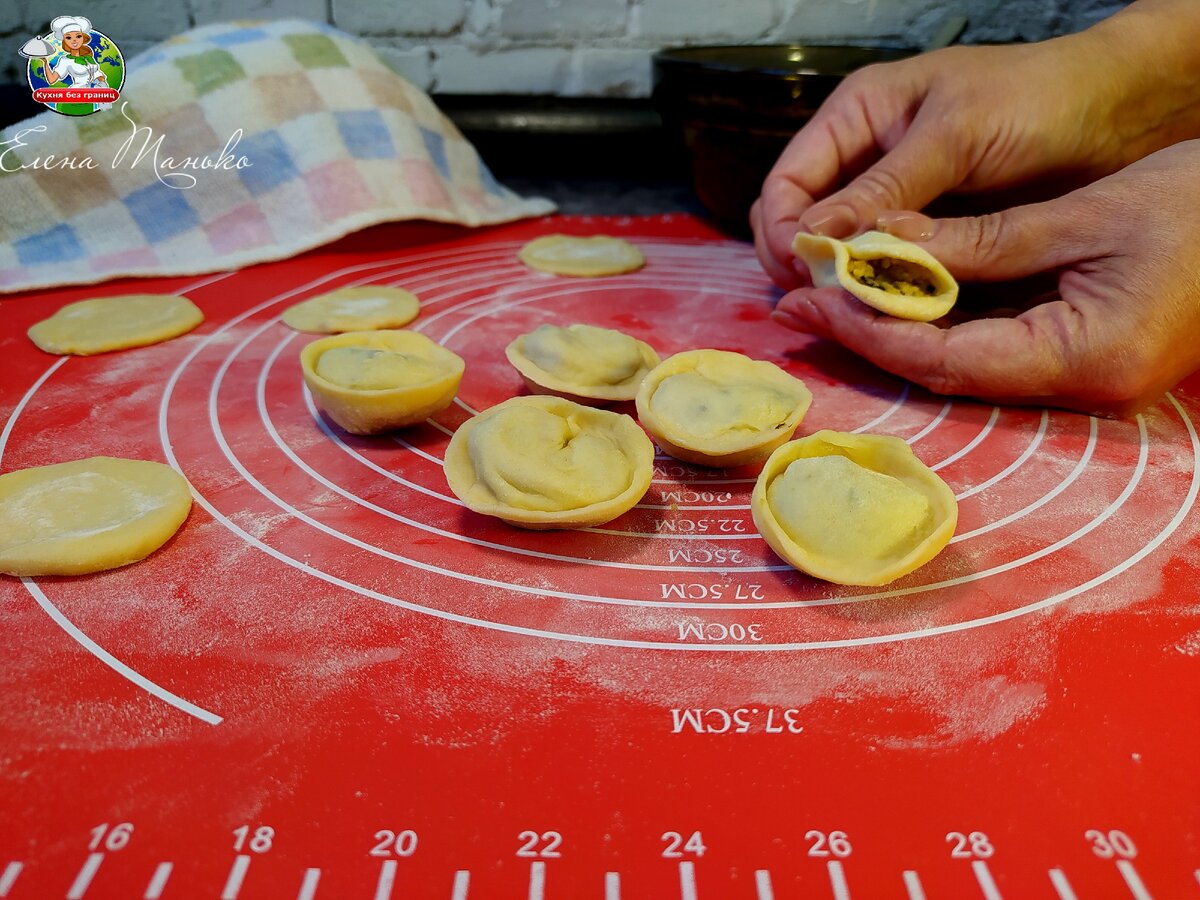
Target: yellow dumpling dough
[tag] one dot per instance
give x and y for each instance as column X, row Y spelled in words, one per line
column 374, row 381
column 546, row 462
column 853, row 508
column 104, row 324
column 584, row 257
column 864, row 513
column 371, row 369
column 717, row 408
column 89, row 515
column 894, row 276
column 582, row 362
column 354, row 309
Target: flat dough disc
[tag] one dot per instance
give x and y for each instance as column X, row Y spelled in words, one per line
column 103, row 324
column 584, row 257
column 354, row 309
column 87, row 516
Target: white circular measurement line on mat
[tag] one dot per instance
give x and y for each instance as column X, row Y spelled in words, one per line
column 1075, row 472
column 631, row 281
column 979, row 437
column 990, row 526
column 626, row 601
column 543, row 591
column 937, row 420
column 556, row 292
column 555, row 289
column 269, row 425
column 665, row 645
column 972, row 444
column 56, row 615
column 551, row 281
column 1034, row 443
column 330, row 433
column 672, row 645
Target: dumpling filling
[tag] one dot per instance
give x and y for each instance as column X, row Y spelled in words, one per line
column 895, row 276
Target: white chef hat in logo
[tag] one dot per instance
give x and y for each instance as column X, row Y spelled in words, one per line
column 66, row 24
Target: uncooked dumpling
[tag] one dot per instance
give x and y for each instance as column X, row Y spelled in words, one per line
column 717, row 408
column 89, row 515
column 894, row 276
column 354, row 309
column 103, row 324
column 852, row 508
column 584, row 257
column 582, row 362
column 545, row 462
column 373, row 381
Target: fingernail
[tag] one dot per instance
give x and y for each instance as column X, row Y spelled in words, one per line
column 908, row 226
column 801, row 314
column 783, row 317
column 836, row 222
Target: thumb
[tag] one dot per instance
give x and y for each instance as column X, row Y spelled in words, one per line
column 1013, row 243
column 912, row 174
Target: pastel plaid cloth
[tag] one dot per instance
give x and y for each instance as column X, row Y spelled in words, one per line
column 335, row 140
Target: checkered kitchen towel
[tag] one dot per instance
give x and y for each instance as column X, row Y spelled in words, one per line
column 335, row 141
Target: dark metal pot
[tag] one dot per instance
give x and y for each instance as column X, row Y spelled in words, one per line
column 734, row 109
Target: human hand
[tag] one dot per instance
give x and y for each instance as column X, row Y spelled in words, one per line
column 979, row 119
column 899, row 135
column 1122, row 327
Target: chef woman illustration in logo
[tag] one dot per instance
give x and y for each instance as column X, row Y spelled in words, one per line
column 74, row 55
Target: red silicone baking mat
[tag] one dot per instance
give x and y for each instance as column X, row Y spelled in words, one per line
column 335, row 682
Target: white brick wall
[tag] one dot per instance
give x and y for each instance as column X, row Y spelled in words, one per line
column 206, row 11
column 462, row 69
column 719, row 21
column 566, row 47
column 567, row 20
column 408, row 17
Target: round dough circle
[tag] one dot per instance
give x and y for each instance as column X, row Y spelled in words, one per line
column 717, row 408
column 380, row 380
column 582, row 362
column 86, row 516
column 853, row 508
column 354, row 309
column 582, row 257
column 103, row 324
column 544, row 462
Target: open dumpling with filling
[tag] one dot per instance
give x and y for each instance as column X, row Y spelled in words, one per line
column 717, row 408
column 853, row 508
column 545, row 462
column 582, row 362
column 373, row 381
column 894, row 276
